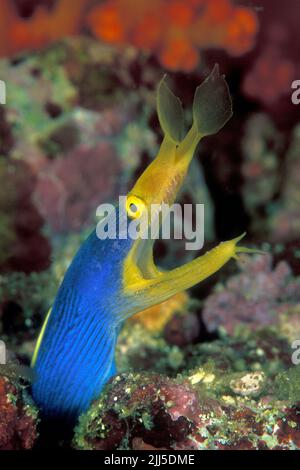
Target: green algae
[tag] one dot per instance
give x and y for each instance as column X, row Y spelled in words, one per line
column 287, row 384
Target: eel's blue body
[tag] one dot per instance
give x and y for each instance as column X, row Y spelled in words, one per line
column 76, row 356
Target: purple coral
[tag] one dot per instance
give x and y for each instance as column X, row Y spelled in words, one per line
column 256, row 297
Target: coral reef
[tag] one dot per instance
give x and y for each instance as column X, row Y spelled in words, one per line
column 70, row 142
column 18, row 416
column 263, row 350
column 260, row 83
column 267, row 348
column 262, row 146
column 21, row 315
column 145, row 411
column 75, row 146
column 287, row 384
column 175, row 30
column 155, row 338
column 275, row 64
column 23, row 245
column 69, row 128
column 74, row 182
column 162, row 412
column 285, row 221
column 182, row 330
column 240, row 391
column 258, row 296
column 139, row 349
column 271, row 175
column 211, row 369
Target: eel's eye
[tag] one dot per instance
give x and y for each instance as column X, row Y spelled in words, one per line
column 134, row 207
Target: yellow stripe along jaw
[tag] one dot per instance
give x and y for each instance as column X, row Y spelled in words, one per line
column 149, row 291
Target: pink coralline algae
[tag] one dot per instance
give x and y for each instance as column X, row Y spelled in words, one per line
column 255, row 298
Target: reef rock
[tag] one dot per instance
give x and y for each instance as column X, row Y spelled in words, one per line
column 144, row 411
column 18, row 417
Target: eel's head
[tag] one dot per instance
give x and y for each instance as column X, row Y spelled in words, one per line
column 160, row 182
column 163, row 178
